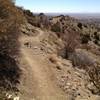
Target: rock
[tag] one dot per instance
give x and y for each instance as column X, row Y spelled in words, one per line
column 16, row 98
column 35, row 47
column 58, row 67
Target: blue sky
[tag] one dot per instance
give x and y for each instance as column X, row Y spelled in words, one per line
column 61, row 6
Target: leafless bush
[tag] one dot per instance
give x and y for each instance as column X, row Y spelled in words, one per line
column 71, row 41
column 84, row 61
column 94, row 76
column 9, row 73
column 81, row 58
column 43, row 21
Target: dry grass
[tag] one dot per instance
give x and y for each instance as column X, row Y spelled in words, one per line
column 9, row 45
column 9, row 27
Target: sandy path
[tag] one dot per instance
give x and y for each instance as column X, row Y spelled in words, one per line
column 42, row 84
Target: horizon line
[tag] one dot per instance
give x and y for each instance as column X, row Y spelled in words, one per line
column 69, row 12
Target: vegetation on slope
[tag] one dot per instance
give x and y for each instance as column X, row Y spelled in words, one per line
column 10, row 20
column 75, row 35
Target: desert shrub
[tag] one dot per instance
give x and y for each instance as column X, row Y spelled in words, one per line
column 96, row 42
column 81, row 58
column 29, row 13
column 41, row 14
column 85, row 26
column 94, row 76
column 62, row 18
column 80, row 25
column 43, row 21
column 85, row 38
column 96, row 36
column 71, row 40
column 84, row 61
column 95, row 33
column 12, row 18
column 32, row 20
column 56, row 27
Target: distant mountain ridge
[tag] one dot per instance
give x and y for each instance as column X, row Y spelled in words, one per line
column 77, row 15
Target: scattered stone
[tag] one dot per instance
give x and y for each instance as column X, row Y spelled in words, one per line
column 16, row 98
column 58, row 67
column 27, row 44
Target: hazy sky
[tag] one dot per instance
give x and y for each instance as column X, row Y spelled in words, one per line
column 66, row 6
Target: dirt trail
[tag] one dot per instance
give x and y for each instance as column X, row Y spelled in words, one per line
column 42, row 85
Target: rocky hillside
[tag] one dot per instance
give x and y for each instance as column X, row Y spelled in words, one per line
column 47, row 58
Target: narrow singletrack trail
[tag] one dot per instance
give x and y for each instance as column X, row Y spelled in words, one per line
column 42, row 84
